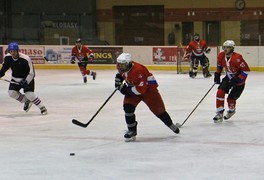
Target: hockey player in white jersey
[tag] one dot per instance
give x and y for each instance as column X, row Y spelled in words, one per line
column 23, row 74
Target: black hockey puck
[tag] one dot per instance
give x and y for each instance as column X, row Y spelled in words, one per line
column 72, row 154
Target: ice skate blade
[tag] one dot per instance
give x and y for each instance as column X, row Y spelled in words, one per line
column 178, row 125
column 130, row 139
column 218, row 121
column 27, row 106
column 229, row 115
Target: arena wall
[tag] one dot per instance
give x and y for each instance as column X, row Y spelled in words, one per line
column 105, row 56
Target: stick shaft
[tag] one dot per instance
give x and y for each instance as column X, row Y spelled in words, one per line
column 198, row 104
column 8, row 81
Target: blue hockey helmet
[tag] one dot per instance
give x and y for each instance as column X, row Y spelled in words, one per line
column 13, row 46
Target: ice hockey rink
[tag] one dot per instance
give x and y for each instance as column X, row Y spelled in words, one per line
column 37, row 147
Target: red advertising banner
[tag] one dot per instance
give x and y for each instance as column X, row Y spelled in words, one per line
column 169, row 55
column 165, row 55
column 35, row 53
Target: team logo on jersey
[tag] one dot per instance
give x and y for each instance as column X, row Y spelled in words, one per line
column 140, row 76
column 238, row 60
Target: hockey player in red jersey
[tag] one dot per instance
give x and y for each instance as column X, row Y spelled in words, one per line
column 196, row 50
column 83, row 54
column 23, row 75
column 138, row 84
column 233, row 83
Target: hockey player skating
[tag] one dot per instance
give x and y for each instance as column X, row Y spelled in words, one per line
column 233, row 83
column 83, row 54
column 23, row 75
column 138, row 84
column 197, row 49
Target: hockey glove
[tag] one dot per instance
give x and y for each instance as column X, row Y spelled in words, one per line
column 23, row 83
column 118, row 81
column 91, row 59
column 217, row 78
column 208, row 50
column 124, row 90
column 2, row 74
column 73, row 61
column 234, row 81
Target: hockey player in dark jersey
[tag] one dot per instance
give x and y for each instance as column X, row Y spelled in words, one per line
column 23, row 74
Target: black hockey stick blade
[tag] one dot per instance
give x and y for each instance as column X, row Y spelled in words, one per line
column 84, row 125
column 78, row 123
column 46, row 59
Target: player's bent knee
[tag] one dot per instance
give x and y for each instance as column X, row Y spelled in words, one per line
column 220, row 93
column 30, row 95
column 13, row 94
column 129, row 108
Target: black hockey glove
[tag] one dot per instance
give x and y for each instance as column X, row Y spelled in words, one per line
column 72, row 61
column 234, row 81
column 2, row 74
column 208, row 50
column 118, row 81
column 91, row 59
column 23, row 83
column 217, row 78
column 124, row 90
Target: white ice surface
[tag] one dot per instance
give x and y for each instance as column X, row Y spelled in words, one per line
column 36, row 147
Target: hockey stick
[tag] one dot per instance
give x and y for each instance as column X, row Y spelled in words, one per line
column 84, row 125
column 9, row 81
column 180, row 125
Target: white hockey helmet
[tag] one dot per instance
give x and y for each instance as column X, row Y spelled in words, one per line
column 229, row 43
column 124, row 58
column 124, row 62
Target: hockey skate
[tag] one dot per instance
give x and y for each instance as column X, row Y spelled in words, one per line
column 94, row 75
column 43, row 110
column 207, row 75
column 130, row 136
column 192, row 74
column 229, row 114
column 218, row 118
column 174, row 128
column 27, row 105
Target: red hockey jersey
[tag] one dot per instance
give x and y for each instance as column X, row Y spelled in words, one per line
column 82, row 53
column 139, row 79
column 234, row 66
column 197, row 48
